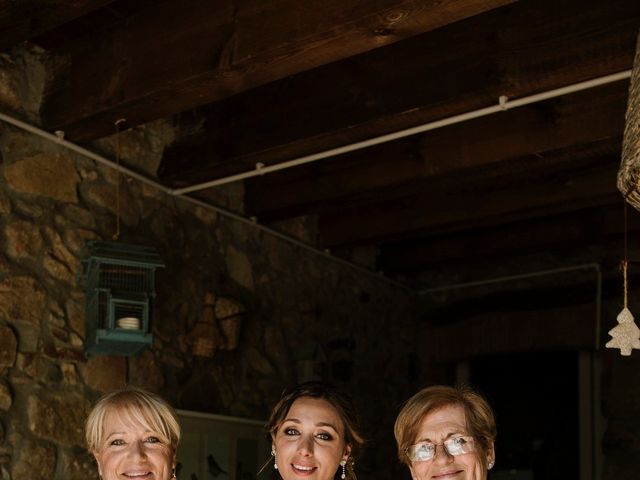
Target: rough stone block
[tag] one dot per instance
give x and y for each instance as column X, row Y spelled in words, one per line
column 6, row 398
column 8, row 347
column 76, row 215
column 69, row 373
column 61, row 252
column 33, row 175
column 226, row 307
column 59, row 418
column 5, row 203
column 145, row 371
column 104, row 373
column 34, row 461
column 239, row 268
column 57, row 269
column 22, row 299
column 23, row 239
column 75, row 316
column 77, row 465
column 104, row 196
column 9, row 98
column 28, row 337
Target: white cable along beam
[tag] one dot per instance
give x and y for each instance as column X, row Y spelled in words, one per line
column 59, row 140
column 503, row 104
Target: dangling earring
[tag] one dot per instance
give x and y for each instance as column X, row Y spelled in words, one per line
column 173, row 473
column 344, row 469
column 490, row 464
column 275, row 462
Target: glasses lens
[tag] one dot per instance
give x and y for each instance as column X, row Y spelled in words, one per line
column 459, row 445
column 421, row 452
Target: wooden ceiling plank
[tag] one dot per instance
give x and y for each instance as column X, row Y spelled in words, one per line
column 570, row 327
column 536, row 129
column 179, row 54
column 517, row 50
column 25, row 19
column 433, row 210
column 600, row 225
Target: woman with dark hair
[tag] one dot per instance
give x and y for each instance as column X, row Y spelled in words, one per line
column 314, row 433
column 459, row 421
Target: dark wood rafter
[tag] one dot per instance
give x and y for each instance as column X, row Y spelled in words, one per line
column 554, row 125
column 560, row 233
column 516, row 50
column 25, row 19
column 247, row 83
column 560, row 328
column 456, row 209
column 240, row 45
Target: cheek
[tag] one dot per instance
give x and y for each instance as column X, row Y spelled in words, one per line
column 418, row 470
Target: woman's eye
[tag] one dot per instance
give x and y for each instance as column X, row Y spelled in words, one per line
column 324, row 436
column 459, row 441
column 290, row 431
column 152, row 440
column 117, row 442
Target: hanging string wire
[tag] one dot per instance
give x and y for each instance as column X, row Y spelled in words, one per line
column 116, row 236
column 623, row 264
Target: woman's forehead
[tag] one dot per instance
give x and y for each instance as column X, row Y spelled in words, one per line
column 443, row 421
column 128, row 418
column 316, row 410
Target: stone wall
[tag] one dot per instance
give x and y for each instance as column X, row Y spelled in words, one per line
column 304, row 315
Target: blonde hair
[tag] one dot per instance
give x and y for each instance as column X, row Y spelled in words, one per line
column 136, row 404
column 479, row 417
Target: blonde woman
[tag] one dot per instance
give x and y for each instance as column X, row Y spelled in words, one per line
column 134, row 434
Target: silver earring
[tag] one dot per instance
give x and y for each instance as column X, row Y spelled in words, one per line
column 275, row 463
column 344, row 469
column 173, row 473
column 490, row 464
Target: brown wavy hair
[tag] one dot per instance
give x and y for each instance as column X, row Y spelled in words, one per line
column 337, row 398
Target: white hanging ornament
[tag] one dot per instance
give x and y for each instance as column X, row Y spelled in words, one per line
column 625, row 335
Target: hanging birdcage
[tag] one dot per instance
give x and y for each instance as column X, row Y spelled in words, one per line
column 119, row 281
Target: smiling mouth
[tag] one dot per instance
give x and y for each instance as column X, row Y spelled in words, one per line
column 448, row 474
column 137, row 474
column 303, row 470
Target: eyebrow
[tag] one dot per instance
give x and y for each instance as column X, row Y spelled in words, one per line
column 317, row 424
column 449, row 435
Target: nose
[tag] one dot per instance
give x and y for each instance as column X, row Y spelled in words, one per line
column 305, row 445
column 441, row 454
column 137, row 449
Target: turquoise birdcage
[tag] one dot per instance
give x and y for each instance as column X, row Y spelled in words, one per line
column 119, row 281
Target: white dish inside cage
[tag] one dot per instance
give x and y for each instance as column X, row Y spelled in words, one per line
column 128, row 323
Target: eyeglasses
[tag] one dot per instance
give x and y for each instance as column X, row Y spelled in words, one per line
column 421, row 452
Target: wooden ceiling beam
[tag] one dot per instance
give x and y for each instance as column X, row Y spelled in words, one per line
column 528, row 133
column 24, row 19
column 516, row 50
column 459, row 209
column 571, row 327
column 179, row 54
column 583, row 229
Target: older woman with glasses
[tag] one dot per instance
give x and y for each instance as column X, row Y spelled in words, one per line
column 446, row 432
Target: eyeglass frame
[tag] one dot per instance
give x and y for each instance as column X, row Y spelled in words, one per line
column 468, row 438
